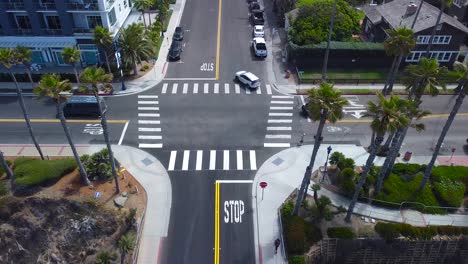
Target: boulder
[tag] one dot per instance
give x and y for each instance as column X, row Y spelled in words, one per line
column 120, row 201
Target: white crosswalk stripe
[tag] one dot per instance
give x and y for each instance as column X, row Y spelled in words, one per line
column 215, row 88
column 268, row 88
column 148, row 115
column 144, row 145
column 196, row 160
column 282, row 102
column 278, row 136
column 195, row 88
column 174, row 88
column 281, row 108
column 148, row 102
column 226, row 88
column 279, row 128
column 149, row 122
column 148, row 108
column 270, row 121
column 149, row 130
column 164, row 88
column 206, row 88
column 148, row 96
column 277, row 145
column 237, row 87
column 280, row 114
column 149, row 137
column 185, row 88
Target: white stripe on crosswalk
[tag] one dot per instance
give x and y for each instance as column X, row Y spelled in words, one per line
column 240, row 161
column 149, row 137
column 226, row 160
column 259, row 91
column 185, row 160
column 281, row 96
column 226, row 88
column 164, row 89
column 212, row 159
column 185, row 88
column 172, row 160
column 195, row 88
column 280, row 114
column 148, row 114
column 150, row 145
column 149, row 129
column 174, row 88
column 282, row 102
column 281, row 108
column 148, row 102
column 205, row 88
column 253, row 160
column 268, row 88
column 199, row 163
column 148, row 108
column 149, row 122
column 276, row 145
column 247, row 91
column 277, row 136
column 237, row 87
column 279, row 128
column 216, row 88
column 148, row 96
column 270, row 121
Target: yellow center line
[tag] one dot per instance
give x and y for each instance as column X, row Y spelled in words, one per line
column 20, row 120
column 218, row 39
column 216, row 224
column 369, row 120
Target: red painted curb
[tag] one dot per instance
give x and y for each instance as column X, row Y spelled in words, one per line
column 159, row 250
column 164, row 67
column 260, row 255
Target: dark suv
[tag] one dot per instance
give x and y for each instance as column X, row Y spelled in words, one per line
column 178, row 34
column 257, row 17
column 175, row 51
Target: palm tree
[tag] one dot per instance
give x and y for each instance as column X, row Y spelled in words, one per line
column 135, row 46
column 316, row 188
column 71, row 55
column 51, row 86
column 388, row 114
column 444, row 4
column 325, row 104
column 126, row 245
column 5, row 166
column 8, row 58
column 104, row 257
column 24, row 56
column 96, row 77
column 414, row 113
column 142, row 6
column 462, row 70
column 327, row 50
column 103, row 39
column 398, row 45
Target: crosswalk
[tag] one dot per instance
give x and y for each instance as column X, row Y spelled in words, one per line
column 212, row 88
column 280, row 119
column 149, row 123
column 198, row 160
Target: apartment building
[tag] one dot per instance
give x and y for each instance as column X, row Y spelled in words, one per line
column 47, row 26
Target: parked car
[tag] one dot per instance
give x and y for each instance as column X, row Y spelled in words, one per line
column 259, row 47
column 178, row 34
column 259, row 31
column 255, row 6
column 81, row 105
column 257, row 17
column 175, row 50
column 248, row 79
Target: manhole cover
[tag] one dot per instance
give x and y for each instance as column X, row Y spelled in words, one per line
column 147, row 162
column 278, row 161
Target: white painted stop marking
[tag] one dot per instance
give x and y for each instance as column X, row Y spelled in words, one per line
column 233, row 211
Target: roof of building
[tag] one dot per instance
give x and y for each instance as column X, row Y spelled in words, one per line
column 394, row 14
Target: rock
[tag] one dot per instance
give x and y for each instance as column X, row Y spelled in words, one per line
column 120, row 201
column 125, row 194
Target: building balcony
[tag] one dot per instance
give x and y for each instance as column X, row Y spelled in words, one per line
column 46, row 6
column 15, row 5
column 52, row 32
column 74, row 6
column 22, row 32
column 82, row 31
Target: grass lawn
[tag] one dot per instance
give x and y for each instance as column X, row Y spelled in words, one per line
column 353, row 74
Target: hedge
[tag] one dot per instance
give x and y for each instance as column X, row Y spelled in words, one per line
column 458, row 173
column 341, row 232
column 391, row 231
column 296, row 259
column 450, row 192
column 32, row 172
column 408, row 169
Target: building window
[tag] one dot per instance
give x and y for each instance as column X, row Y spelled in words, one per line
column 53, row 22
column 422, row 40
column 23, row 22
column 112, row 17
column 94, row 21
column 441, row 39
column 459, row 3
column 441, row 56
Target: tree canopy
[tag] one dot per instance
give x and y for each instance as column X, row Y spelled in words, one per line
column 313, row 20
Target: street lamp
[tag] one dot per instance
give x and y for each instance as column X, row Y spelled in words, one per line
column 329, row 149
column 119, row 63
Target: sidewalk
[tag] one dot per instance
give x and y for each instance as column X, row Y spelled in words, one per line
column 284, row 171
column 147, row 81
column 146, row 169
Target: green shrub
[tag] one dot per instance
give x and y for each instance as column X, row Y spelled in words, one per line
column 22, row 160
column 393, row 230
column 452, row 172
column 335, row 157
column 98, row 165
column 34, row 172
column 3, row 189
column 313, row 234
column 295, row 236
column 387, row 231
column 296, row 259
column 340, row 232
column 407, row 169
column 452, row 230
column 348, row 187
column 346, row 163
column 450, row 192
column 287, row 210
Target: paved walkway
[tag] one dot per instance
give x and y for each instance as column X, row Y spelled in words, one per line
column 146, row 169
column 284, row 171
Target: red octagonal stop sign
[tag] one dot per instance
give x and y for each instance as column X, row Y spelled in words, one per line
column 263, row 184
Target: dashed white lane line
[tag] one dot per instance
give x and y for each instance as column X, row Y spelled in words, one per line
column 199, row 162
column 276, row 145
column 149, row 137
column 226, row 160
column 172, row 160
column 149, row 129
column 212, row 159
column 253, row 160
column 240, row 162
column 277, row 136
column 279, row 128
column 185, row 161
column 280, row 114
column 148, row 115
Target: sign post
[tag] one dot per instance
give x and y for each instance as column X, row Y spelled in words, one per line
column 263, row 185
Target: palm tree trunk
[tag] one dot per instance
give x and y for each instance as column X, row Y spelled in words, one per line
column 308, row 171
column 28, row 71
column 362, row 179
column 442, row 8
column 5, row 166
column 122, row 258
column 394, row 152
column 386, row 165
column 106, row 138
column 25, row 114
column 387, row 83
column 77, row 76
column 448, row 123
column 372, row 139
column 327, row 51
column 149, row 17
column 386, row 145
column 144, row 19
column 107, row 61
column 394, row 73
column 83, row 174
column 135, row 69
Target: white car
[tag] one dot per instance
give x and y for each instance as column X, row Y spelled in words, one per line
column 259, row 31
column 248, row 79
column 259, row 47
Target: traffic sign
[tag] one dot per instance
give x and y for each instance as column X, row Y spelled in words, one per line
column 263, row 185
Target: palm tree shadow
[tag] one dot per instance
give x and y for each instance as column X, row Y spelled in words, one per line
column 465, row 149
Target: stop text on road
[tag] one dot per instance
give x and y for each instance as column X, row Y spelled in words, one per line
column 207, row 66
column 233, row 211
